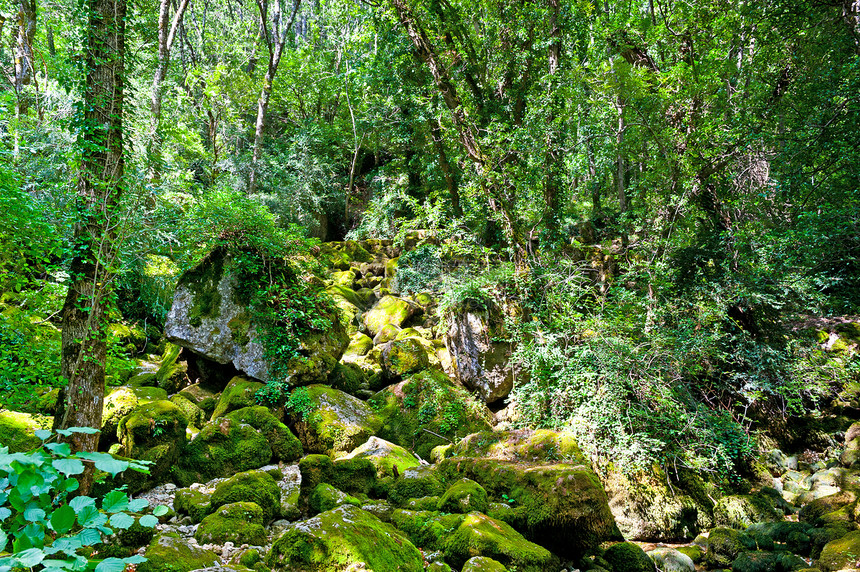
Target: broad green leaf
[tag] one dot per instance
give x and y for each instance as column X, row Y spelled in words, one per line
column 160, row 510
column 136, row 559
column 42, row 434
column 61, row 449
column 89, row 536
column 73, row 430
column 148, row 521
column 137, row 505
column 69, row 485
column 105, row 462
column 35, row 534
column 30, row 558
column 78, row 503
column 115, row 501
column 63, row 519
column 121, row 520
column 111, row 565
column 68, row 466
column 4, row 513
column 34, row 514
column 4, row 540
column 90, row 517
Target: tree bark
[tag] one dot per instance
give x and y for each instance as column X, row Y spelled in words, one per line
column 445, row 166
column 275, row 37
column 99, row 185
column 23, row 70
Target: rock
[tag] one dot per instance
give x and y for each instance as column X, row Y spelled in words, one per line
column 359, row 345
column 17, row 430
column 325, row 497
column 386, row 334
column 251, row 486
column 482, row 564
column 831, row 509
column 195, row 416
column 726, row 544
column 794, row 535
column 239, row 393
column 427, row 410
column 480, row 363
column 841, row 554
column 117, row 404
column 628, row 557
column 239, row 522
column 740, row 511
column 562, row 506
column 168, row 551
column 192, row 502
column 171, row 375
column 389, row 310
column 670, row 560
column 761, row 561
column 415, row 483
column 385, row 456
column 464, row 496
column 153, row 432
column 351, row 378
column 285, row 446
column 207, row 318
column 338, row 423
column 288, row 479
column 202, row 397
column 355, row 476
column 404, row 356
column 341, row 538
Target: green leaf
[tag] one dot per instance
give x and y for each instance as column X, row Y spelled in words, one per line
column 30, row 557
column 61, row 449
column 68, row 466
column 73, row 430
column 4, row 540
column 160, row 510
column 90, row 517
column 4, row 513
column 105, row 462
column 63, row 519
column 34, row 514
column 89, row 536
column 121, row 520
column 42, row 434
column 115, row 501
column 137, row 505
column 111, row 565
column 79, row 503
column 148, row 521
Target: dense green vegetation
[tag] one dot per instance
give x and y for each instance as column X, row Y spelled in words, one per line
column 656, row 196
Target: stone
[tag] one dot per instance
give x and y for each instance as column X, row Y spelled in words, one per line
column 481, row 363
column 169, row 552
column 404, row 356
column 670, row 560
column 726, row 544
column 239, row 393
column 153, row 432
column 740, row 511
column 337, row 422
column 389, row 310
column 841, row 554
column 192, row 502
column 346, row 537
column 251, row 486
column 763, row 561
column 195, row 416
column 359, row 345
column 628, row 557
column 389, row 459
column 419, row 482
column 386, row 334
column 325, row 497
column 464, row 496
column 482, row 564
column 17, row 430
column 239, row 523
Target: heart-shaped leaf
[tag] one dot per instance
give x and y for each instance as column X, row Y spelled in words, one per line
column 121, row 520
column 63, row 519
column 68, row 466
column 148, row 521
column 115, row 501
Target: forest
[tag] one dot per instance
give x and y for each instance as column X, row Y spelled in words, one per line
column 503, row 285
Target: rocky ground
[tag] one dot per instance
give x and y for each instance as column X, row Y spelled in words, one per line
column 395, row 454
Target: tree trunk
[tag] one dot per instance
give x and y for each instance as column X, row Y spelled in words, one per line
column 24, row 69
column 99, row 185
column 445, row 166
column 552, row 156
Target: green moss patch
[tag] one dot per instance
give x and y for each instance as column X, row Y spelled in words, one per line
column 239, row 393
column 17, row 430
column 251, row 486
column 628, row 557
column 168, row 552
column 285, row 446
column 338, row 422
column 389, row 459
column 239, row 523
column 464, row 496
column 193, row 503
column 325, row 497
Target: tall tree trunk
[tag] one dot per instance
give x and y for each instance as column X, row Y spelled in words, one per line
column 552, row 155
column 166, row 36
column 275, row 37
column 99, row 185
column 24, row 66
column 445, row 165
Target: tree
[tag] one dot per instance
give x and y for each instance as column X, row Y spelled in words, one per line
column 84, row 348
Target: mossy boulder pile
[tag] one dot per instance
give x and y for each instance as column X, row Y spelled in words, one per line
column 337, row 422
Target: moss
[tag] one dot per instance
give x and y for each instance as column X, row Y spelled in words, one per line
column 193, row 503
column 761, row 561
column 239, row 523
column 483, row 564
column 726, row 544
column 359, row 345
column 414, row 483
column 794, row 535
column 168, row 552
column 251, row 486
column 404, row 356
column 831, row 509
column 628, row 557
column 17, row 430
column 427, row 529
column 422, row 503
column 338, row 423
column 348, row 377
column 196, row 417
column 325, row 497
column 386, row 457
column 357, row 476
column 117, row 404
column 239, row 393
column 340, row 538
column 172, row 374
column 202, row 281
column 521, row 445
column 315, row 469
column 389, row 310
column 694, row 552
column 480, row 535
column 285, row 446
column 427, row 405
column 840, row 553
column 464, row 496
column 386, row 334
column 149, row 394
column 250, row 557
column 562, row 505
column 149, row 425
column 740, row 511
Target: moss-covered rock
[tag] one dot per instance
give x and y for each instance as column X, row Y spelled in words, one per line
column 761, row 561
column 168, row 552
column 238, row 394
column 483, row 564
column 355, row 476
column 841, row 553
column 831, row 509
column 726, row 544
column 523, row 445
column 172, row 373
column 694, row 552
column 562, row 506
column 17, row 430
column 193, row 503
column 340, row 538
column 359, row 345
column 740, row 511
column 670, row 560
column 285, row 446
column 325, row 497
column 351, row 378
column 202, row 397
column 389, row 310
column 404, row 356
column 117, row 404
column 338, row 422
column 464, row 496
column 414, row 483
column 196, row 417
column 389, row 459
column 794, row 535
column 160, row 423
column 386, row 334
column 251, row 486
column 628, row 557
column 239, row 523
column 416, row 411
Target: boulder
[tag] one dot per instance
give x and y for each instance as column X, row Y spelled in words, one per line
column 388, row 458
column 740, row 511
column 239, row 523
column 726, row 544
column 420, row 482
column 482, row 564
column 153, row 432
column 427, row 410
column 169, row 551
column 763, row 561
column 841, row 554
column 251, row 486
column 670, row 560
column 464, row 496
column 481, row 363
column 404, row 356
column 325, row 497
column 17, row 430
column 336, row 422
column 628, row 557
column 192, row 502
column 195, row 416
column 117, row 404
column 344, row 537
column 208, row 318
column 851, row 455
column 359, row 345
column 389, row 310
column 239, row 393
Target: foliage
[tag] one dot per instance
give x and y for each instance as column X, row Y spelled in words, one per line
column 48, row 526
column 418, row 270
